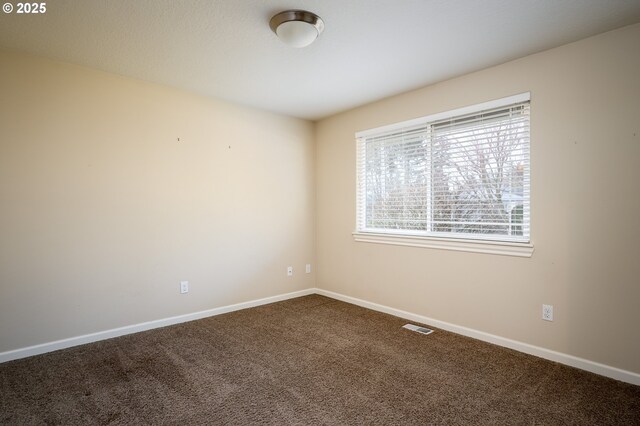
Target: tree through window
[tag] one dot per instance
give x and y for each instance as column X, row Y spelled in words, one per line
column 461, row 175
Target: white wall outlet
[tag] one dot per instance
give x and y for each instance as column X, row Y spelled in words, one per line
column 184, row 287
column 307, row 268
column 547, row 312
column 290, row 271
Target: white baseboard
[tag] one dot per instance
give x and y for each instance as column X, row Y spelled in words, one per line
column 581, row 363
column 584, row 364
column 135, row 328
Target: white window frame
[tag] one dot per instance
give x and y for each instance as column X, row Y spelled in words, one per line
column 475, row 244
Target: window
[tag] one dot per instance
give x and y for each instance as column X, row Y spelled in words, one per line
column 457, row 180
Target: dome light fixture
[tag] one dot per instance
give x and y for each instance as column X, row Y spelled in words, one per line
column 297, row 28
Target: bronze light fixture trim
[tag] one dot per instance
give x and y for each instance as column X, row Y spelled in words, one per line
column 297, row 28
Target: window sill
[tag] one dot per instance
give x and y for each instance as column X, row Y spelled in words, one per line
column 472, row 246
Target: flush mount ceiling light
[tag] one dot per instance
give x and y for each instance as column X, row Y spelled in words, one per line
column 297, row 28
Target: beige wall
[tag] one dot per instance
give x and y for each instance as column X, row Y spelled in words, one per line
column 103, row 212
column 585, row 150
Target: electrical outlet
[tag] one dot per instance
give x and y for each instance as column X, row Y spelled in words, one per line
column 184, row 287
column 308, row 268
column 547, row 312
column 290, row 271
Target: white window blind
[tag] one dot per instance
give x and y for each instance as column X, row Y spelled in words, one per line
column 463, row 174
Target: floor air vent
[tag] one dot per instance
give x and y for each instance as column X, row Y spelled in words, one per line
column 418, row 329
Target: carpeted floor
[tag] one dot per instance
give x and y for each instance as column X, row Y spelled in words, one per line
column 310, row 360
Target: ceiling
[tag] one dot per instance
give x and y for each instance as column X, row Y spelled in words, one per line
column 370, row 49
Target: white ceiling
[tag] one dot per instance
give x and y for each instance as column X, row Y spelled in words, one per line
column 370, row 49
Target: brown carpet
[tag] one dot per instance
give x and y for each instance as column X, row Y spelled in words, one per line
column 310, row 360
